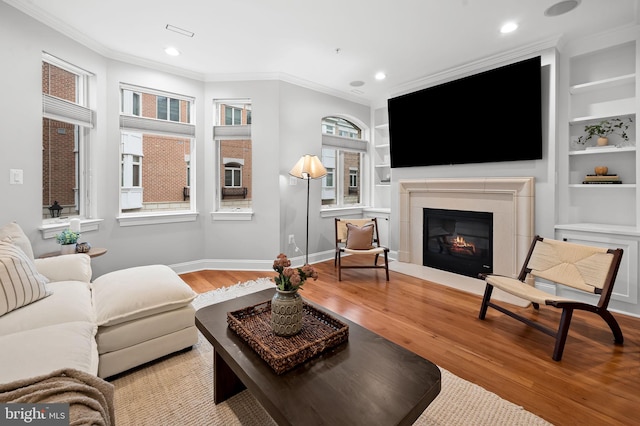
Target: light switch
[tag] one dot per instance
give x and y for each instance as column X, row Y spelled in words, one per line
column 15, row 177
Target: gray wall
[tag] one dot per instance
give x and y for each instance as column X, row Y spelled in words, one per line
column 286, row 125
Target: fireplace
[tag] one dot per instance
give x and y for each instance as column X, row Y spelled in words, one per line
column 509, row 199
column 458, row 241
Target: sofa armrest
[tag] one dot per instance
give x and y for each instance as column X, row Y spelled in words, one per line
column 70, row 267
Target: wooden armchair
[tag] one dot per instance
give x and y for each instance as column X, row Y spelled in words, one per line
column 583, row 268
column 359, row 237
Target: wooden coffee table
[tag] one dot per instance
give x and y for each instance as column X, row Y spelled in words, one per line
column 364, row 381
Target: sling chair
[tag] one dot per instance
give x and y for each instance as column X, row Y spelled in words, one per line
column 583, row 268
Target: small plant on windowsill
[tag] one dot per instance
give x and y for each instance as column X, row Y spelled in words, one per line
column 605, row 128
column 67, row 237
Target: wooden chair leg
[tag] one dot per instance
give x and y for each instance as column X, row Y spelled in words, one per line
column 485, row 301
column 613, row 325
column 386, row 265
column 563, row 330
column 339, row 267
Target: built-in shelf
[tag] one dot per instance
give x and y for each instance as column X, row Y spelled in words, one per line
column 607, row 83
column 381, row 156
column 603, row 185
column 623, row 111
column 611, row 150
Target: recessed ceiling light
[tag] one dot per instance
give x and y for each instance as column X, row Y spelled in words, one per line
column 171, row 51
column 508, row 27
column 561, row 7
column 380, row 75
column 357, row 83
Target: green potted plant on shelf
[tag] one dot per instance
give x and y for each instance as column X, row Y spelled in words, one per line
column 67, row 240
column 613, row 126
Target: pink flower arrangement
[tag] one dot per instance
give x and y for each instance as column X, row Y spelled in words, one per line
column 291, row 278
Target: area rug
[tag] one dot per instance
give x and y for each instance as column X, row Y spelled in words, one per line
column 178, row 390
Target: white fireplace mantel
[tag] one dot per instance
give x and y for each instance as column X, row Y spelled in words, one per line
column 509, row 199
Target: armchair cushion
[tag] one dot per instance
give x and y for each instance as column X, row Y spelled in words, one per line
column 20, row 282
column 360, row 238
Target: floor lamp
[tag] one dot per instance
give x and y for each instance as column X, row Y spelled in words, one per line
column 308, row 167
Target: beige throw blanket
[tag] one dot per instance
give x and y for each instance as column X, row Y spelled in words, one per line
column 90, row 398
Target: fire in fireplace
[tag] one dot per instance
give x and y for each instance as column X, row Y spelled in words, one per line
column 458, row 241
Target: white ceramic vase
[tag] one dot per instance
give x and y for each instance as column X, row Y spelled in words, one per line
column 67, row 248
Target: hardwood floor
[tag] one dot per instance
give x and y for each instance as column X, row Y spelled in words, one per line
column 595, row 383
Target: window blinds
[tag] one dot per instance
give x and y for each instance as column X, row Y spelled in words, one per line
column 68, row 112
column 331, row 141
column 151, row 125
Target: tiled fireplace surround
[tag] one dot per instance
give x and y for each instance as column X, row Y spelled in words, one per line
column 510, row 199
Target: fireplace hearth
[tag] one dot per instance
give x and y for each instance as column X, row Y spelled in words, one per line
column 458, row 241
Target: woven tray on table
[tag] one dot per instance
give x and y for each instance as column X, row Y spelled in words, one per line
column 320, row 332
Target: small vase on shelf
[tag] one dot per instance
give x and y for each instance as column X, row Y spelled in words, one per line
column 601, row 170
column 286, row 313
column 67, row 248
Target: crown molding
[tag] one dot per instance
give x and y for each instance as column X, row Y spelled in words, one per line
column 479, row 65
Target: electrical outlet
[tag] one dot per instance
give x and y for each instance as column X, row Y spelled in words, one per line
column 291, row 239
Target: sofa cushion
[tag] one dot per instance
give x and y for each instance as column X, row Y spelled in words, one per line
column 13, row 233
column 69, row 301
column 68, row 267
column 43, row 350
column 137, row 292
column 20, row 282
column 360, row 238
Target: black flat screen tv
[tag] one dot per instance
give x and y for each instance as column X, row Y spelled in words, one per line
column 492, row 116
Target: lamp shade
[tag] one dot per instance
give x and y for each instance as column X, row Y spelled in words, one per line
column 308, row 167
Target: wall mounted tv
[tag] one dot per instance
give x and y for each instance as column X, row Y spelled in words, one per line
column 491, row 116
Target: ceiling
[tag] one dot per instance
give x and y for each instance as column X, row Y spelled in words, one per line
column 326, row 44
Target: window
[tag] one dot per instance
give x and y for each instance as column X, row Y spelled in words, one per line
column 343, row 155
column 353, row 177
column 232, row 116
column 66, row 124
column 131, row 102
column 156, row 148
column 169, row 108
column 232, row 135
column 232, row 175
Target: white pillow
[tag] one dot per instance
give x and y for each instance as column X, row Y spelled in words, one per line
column 20, row 282
column 13, row 233
column 138, row 292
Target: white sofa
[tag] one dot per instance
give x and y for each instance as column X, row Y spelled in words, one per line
column 53, row 317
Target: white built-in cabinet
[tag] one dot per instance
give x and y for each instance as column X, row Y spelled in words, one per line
column 601, row 85
column 381, row 159
column 600, row 81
